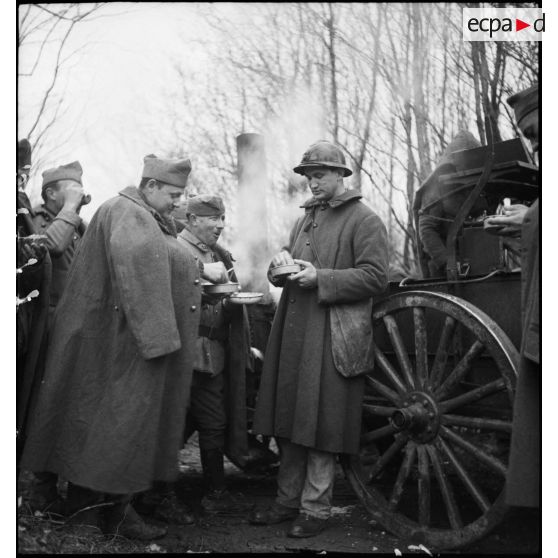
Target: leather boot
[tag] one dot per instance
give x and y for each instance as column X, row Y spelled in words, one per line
column 121, row 519
column 44, row 494
column 213, row 469
column 170, row 508
column 217, row 498
column 83, row 506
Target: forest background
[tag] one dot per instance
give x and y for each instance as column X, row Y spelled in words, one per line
column 391, row 83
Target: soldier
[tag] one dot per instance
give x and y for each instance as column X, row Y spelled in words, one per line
column 58, row 219
column 110, row 415
column 218, row 384
column 435, row 216
column 321, row 341
column 523, row 480
column 34, row 276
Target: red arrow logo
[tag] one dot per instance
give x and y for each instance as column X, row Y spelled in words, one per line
column 519, row 24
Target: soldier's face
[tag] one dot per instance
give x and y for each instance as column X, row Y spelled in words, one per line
column 57, row 194
column 163, row 198
column 324, row 183
column 208, row 229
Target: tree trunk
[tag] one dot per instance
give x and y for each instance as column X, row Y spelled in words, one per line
column 330, row 23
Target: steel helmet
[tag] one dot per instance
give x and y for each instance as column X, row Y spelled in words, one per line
column 323, row 154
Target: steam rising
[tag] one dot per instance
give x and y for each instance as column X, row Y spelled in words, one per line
column 266, row 210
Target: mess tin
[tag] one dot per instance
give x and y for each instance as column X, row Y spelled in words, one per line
column 492, row 228
column 220, row 288
column 245, row 298
column 282, row 270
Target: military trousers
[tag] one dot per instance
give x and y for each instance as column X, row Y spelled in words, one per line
column 305, row 479
column 207, row 413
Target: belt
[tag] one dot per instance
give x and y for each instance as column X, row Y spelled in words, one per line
column 216, row 334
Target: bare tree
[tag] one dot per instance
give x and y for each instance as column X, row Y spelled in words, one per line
column 43, row 42
column 389, row 82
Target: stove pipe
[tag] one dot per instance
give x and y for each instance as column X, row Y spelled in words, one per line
column 253, row 183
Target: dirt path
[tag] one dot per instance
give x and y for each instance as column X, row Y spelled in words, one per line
column 350, row 530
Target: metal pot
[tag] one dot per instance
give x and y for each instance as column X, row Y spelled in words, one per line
column 220, row 288
column 282, row 270
column 245, row 298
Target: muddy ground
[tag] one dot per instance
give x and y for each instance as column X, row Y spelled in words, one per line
column 351, row 530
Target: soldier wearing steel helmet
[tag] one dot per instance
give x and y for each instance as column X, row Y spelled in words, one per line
column 320, row 343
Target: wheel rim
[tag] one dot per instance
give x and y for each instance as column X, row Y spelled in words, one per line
column 436, row 420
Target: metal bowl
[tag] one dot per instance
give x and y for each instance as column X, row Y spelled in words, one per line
column 220, row 288
column 245, row 298
column 282, row 270
column 492, row 228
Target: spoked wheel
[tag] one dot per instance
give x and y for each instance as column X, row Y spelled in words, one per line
column 436, row 420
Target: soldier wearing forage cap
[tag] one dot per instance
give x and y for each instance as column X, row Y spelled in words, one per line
column 58, row 219
column 110, row 415
column 320, row 344
column 217, row 399
column 523, row 478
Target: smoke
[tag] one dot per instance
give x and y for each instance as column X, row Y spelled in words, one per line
column 270, row 193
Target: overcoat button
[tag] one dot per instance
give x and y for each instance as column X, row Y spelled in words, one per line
column 193, row 308
column 315, row 225
column 292, row 300
column 307, row 243
column 196, row 282
column 116, row 308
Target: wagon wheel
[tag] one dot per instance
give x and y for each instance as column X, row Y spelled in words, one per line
column 436, row 420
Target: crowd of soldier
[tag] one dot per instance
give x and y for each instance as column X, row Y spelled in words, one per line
column 122, row 356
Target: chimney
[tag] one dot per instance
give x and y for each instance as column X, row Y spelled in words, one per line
column 252, row 213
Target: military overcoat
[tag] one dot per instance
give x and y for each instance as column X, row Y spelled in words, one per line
column 524, row 472
column 63, row 231
column 303, row 395
column 112, row 406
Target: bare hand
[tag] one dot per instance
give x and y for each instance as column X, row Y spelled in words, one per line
column 73, row 196
column 282, row 258
column 510, row 221
column 307, row 278
column 33, row 246
column 215, row 272
column 213, row 299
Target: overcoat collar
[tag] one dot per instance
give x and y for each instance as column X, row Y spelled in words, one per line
column 132, row 193
column 221, row 253
column 190, row 237
column 341, row 199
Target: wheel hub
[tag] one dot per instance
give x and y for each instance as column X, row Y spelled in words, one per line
column 418, row 416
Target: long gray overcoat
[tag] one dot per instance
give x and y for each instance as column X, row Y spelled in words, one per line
column 524, row 472
column 318, row 333
column 112, row 406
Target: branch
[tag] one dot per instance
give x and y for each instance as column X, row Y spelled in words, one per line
column 75, row 18
column 53, row 82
